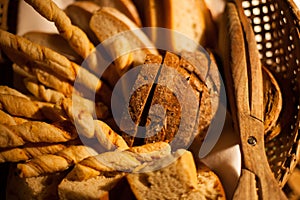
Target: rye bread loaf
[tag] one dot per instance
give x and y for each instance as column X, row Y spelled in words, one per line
column 176, row 72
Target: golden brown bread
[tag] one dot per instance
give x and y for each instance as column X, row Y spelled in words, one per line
column 25, row 53
column 108, row 138
column 75, row 36
column 175, row 70
column 113, row 22
column 55, row 42
column 23, row 107
column 57, row 162
column 118, row 161
column 30, row 132
column 41, row 187
column 41, row 92
column 80, row 13
column 95, row 188
column 167, row 181
column 28, row 152
column 209, row 185
column 6, row 119
column 124, row 6
column 12, row 91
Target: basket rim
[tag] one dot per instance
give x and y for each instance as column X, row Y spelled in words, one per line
column 296, row 11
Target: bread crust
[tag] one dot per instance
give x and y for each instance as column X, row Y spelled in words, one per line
column 75, row 36
column 50, row 163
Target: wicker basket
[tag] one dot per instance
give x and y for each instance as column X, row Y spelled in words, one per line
column 276, row 24
column 277, row 28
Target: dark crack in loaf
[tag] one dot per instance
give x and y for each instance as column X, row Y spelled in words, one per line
column 157, row 111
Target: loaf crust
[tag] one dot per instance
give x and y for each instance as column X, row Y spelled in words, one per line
column 75, row 36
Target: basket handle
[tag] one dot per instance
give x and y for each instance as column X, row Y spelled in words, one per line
column 243, row 76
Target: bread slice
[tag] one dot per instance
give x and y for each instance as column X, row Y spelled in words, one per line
column 103, row 175
column 107, row 23
column 126, row 7
column 118, row 161
column 91, row 189
column 80, row 13
column 176, row 177
column 42, row 187
column 167, row 182
column 152, row 15
column 187, row 18
column 209, row 185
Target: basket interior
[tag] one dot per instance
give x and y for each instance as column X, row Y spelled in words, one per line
column 276, row 29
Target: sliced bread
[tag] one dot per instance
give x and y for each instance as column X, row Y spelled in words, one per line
column 80, row 13
column 169, row 182
column 124, row 6
column 107, row 23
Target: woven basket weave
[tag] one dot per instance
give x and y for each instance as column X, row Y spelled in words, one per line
column 276, row 24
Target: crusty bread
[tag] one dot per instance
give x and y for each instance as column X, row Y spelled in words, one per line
column 124, row 161
column 108, row 22
column 272, row 105
column 176, row 177
column 141, row 92
column 30, row 132
column 55, row 42
column 42, row 187
column 23, row 107
column 26, row 53
column 124, row 6
column 41, row 92
column 152, row 15
column 168, row 182
column 187, row 18
column 60, row 161
column 209, row 185
column 91, row 189
column 80, row 13
column 106, row 170
column 6, row 119
column 191, row 18
column 26, row 153
column 74, row 35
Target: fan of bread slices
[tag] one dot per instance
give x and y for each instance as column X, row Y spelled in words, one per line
column 44, row 118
